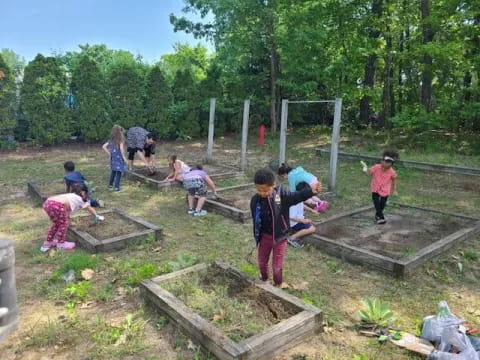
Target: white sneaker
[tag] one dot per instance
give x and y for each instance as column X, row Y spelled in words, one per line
column 200, row 213
column 191, row 211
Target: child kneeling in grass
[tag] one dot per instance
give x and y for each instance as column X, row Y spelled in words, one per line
column 59, row 208
column 270, row 214
column 301, row 226
column 195, row 182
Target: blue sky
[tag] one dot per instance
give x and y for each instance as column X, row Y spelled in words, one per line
column 141, row 26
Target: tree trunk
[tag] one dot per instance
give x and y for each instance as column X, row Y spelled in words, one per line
column 387, row 96
column 427, row 60
column 274, row 70
column 369, row 77
column 400, row 73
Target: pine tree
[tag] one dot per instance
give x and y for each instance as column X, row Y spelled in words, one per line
column 44, row 95
column 125, row 84
column 158, row 102
column 8, row 99
column 91, row 107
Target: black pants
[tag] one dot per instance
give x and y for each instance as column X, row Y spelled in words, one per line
column 379, row 202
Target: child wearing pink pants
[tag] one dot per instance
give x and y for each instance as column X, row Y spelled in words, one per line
column 58, row 208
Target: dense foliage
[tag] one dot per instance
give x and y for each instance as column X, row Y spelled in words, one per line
column 403, row 65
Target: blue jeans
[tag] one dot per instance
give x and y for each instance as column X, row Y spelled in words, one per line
column 115, row 178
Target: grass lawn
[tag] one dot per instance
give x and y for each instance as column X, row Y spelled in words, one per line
column 104, row 317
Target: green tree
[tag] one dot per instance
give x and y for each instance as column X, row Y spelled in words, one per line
column 91, row 111
column 245, row 36
column 126, row 86
column 8, row 99
column 14, row 61
column 158, row 101
column 43, row 95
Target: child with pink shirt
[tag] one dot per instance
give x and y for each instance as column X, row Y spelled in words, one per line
column 58, row 208
column 384, row 178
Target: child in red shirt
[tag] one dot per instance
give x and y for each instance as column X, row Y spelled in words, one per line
column 384, row 178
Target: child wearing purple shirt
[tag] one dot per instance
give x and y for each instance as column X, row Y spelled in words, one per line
column 195, row 182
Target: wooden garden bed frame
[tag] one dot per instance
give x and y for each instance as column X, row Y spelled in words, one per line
column 457, row 170
column 134, row 175
column 396, row 267
column 35, row 193
column 93, row 245
column 235, row 213
column 277, row 338
column 226, row 210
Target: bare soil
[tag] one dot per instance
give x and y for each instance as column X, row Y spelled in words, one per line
column 406, row 231
column 239, row 199
column 237, row 307
column 114, row 225
column 161, row 173
column 52, row 188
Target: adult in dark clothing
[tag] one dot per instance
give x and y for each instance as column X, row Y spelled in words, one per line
column 141, row 141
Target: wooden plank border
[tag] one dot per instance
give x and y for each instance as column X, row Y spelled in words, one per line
column 34, row 192
column 457, row 170
column 226, row 210
column 276, row 339
column 396, row 267
column 133, row 175
column 93, row 245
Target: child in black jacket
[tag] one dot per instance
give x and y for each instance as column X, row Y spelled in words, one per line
column 270, row 214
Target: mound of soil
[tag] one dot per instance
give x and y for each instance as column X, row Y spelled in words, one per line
column 237, row 307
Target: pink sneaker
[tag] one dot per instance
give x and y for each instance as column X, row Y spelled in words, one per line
column 47, row 245
column 67, row 245
column 322, row 206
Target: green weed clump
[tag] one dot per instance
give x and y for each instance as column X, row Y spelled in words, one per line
column 76, row 262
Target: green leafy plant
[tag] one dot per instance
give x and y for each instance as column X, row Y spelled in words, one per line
column 145, row 271
column 375, row 313
column 183, row 261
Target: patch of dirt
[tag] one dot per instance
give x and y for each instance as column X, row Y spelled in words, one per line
column 114, row 225
column 52, row 188
column 237, row 307
column 161, row 173
column 239, row 199
column 406, row 231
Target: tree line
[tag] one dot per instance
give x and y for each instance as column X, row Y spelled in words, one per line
column 398, row 64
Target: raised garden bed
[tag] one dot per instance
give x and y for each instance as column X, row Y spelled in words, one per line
column 113, row 234
column 232, row 202
column 458, row 170
column 412, row 236
column 143, row 175
column 230, row 314
column 40, row 191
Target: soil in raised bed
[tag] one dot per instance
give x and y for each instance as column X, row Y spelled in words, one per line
column 406, row 232
column 237, row 198
column 161, row 173
column 239, row 308
column 114, row 225
column 52, row 188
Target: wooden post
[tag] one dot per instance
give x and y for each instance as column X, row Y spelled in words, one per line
column 283, row 132
column 246, row 115
column 211, row 129
column 335, row 141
